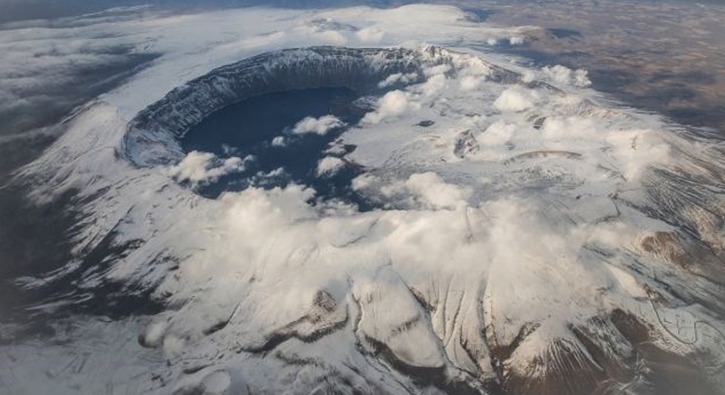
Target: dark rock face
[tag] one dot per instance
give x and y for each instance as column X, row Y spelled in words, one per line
column 466, row 144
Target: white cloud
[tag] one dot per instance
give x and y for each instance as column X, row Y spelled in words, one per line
column 279, row 141
column 229, row 150
column 471, row 72
column 397, row 78
column 470, row 82
column 154, row 334
column 329, row 165
column 498, row 133
column 436, row 70
column 200, row 168
column 516, row 99
column 435, row 82
column 333, row 37
column 638, row 149
column 173, row 346
column 321, row 125
column 517, row 40
column 429, row 191
column 528, row 76
column 557, row 128
column 370, row 35
column 432, row 86
column 363, row 181
column 278, row 172
column 566, row 76
column 393, row 104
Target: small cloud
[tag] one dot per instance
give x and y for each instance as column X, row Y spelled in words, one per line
column 437, row 70
column 333, row 37
column 393, row 104
column 320, row 126
column 436, row 80
column 515, row 99
column 470, row 82
column 173, row 345
column 269, row 178
column 278, row 172
column 638, row 149
column 370, row 35
column 429, row 191
column 566, row 76
column 498, row 133
column 153, row 334
column 201, row 168
column 471, row 72
column 398, row 78
column 279, row 141
column 329, row 166
column 517, row 40
column 229, row 150
column 528, row 76
column 364, row 181
column 433, row 85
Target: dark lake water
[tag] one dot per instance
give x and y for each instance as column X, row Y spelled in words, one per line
column 248, row 127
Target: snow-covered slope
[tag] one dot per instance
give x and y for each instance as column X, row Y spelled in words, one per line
column 532, row 238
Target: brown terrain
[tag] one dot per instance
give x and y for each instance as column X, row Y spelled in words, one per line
column 662, row 56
